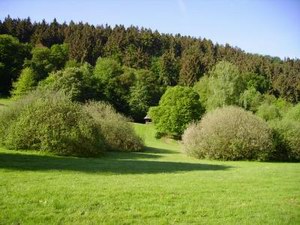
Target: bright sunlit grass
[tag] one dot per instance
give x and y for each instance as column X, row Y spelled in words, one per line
column 5, row 101
column 158, row 186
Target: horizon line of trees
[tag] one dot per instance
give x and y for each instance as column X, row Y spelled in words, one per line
column 155, row 59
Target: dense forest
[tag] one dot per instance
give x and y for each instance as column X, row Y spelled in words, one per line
column 132, row 67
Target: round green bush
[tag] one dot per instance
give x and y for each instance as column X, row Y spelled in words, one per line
column 118, row 133
column 50, row 122
column 286, row 134
column 229, row 133
column 178, row 107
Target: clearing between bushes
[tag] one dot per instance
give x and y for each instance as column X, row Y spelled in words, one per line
column 158, row 186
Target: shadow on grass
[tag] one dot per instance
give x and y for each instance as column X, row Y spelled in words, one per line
column 148, row 153
column 110, row 165
column 159, row 150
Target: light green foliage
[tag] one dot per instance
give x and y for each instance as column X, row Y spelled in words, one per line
column 222, row 86
column 229, row 133
column 158, row 186
column 178, row 107
column 250, row 99
column 74, row 82
column 11, row 112
column 268, row 112
column 226, row 84
column 272, row 108
column 118, row 133
column 50, row 122
column 294, row 113
column 25, row 83
column 203, row 89
column 106, row 70
column 72, row 63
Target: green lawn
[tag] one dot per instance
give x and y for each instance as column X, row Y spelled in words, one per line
column 4, row 101
column 158, row 186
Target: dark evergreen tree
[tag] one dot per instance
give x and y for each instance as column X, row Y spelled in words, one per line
column 12, row 55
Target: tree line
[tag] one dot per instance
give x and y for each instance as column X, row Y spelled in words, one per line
column 132, row 64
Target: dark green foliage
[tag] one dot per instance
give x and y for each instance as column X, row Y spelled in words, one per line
column 21, row 28
column 172, row 59
column 12, row 55
column 118, row 133
column 139, row 102
column 45, row 60
column 136, row 47
column 256, row 81
column 135, row 57
column 177, row 108
column 143, row 94
column 50, row 122
column 59, row 55
column 190, row 71
column 40, row 62
column 229, row 133
column 286, row 134
column 168, row 69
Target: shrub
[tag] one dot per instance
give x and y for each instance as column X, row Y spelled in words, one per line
column 177, row 108
column 229, row 133
column 273, row 108
column 74, row 82
column 268, row 112
column 293, row 113
column 50, row 122
column 118, row 133
column 286, row 135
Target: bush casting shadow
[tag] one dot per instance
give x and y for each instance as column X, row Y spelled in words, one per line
column 27, row 162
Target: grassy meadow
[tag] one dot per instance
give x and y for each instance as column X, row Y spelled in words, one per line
column 4, row 102
column 158, row 186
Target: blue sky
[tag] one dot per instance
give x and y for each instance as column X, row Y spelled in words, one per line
column 268, row 27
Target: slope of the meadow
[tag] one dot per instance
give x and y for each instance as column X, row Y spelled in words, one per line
column 158, row 186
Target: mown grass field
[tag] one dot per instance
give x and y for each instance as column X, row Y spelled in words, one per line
column 5, row 101
column 157, row 186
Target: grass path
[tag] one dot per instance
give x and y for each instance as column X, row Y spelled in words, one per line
column 158, row 186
